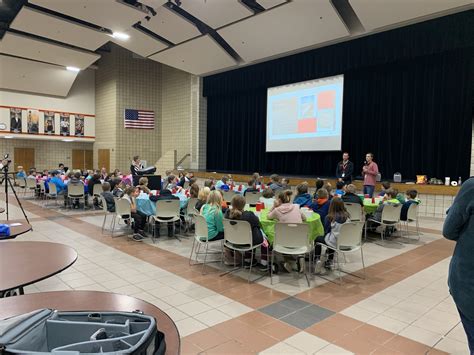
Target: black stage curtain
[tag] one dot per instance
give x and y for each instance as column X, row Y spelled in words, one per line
column 412, row 109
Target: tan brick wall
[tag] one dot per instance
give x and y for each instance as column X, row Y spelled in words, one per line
column 47, row 154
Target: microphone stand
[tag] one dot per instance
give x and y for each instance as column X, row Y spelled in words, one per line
column 8, row 182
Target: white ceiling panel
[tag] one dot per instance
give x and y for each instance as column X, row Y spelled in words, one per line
column 27, row 47
column 268, row 4
column 26, row 75
column 141, row 43
column 299, row 24
column 199, row 56
column 45, row 25
column 110, row 14
column 381, row 13
column 171, row 26
column 216, row 13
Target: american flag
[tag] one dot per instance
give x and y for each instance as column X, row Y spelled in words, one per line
column 139, row 119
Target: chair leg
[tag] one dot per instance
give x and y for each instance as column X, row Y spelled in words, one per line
column 113, row 225
column 205, row 258
column 192, row 249
column 103, row 224
column 250, row 268
column 305, row 270
column 271, row 267
column 417, row 228
column 363, row 263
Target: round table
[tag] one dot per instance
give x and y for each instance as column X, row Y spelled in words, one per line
column 92, row 301
column 17, row 227
column 24, row 263
column 268, row 225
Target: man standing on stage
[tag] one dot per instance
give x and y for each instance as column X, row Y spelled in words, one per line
column 345, row 169
column 369, row 172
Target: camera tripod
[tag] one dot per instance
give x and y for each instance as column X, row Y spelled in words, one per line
column 8, row 182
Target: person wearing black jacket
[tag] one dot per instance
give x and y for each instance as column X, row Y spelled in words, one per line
column 350, row 195
column 345, row 169
column 136, row 165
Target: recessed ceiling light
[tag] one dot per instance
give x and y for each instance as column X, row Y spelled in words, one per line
column 8, row 137
column 68, row 140
column 75, row 69
column 120, row 36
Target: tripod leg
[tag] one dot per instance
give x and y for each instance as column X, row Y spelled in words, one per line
column 19, row 203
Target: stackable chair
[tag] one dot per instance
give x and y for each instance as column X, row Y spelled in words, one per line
column 412, row 216
column 390, row 218
column 30, row 185
column 52, row 194
column 238, row 237
column 123, row 213
column 292, row 239
column 251, row 198
column 349, row 241
column 105, row 210
column 201, row 239
column 355, row 211
column 167, row 211
column 76, row 191
column 228, row 195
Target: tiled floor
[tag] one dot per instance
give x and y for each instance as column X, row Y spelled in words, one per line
column 402, row 307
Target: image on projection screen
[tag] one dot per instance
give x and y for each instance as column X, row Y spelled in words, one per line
column 305, row 116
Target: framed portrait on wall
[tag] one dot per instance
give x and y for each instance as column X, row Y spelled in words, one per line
column 79, row 125
column 64, row 124
column 15, row 120
column 49, row 124
column 32, row 121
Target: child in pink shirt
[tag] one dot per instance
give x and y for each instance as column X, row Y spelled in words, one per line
column 285, row 211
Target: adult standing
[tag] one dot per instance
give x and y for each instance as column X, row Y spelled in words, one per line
column 459, row 226
column 369, row 172
column 345, row 169
column 136, row 165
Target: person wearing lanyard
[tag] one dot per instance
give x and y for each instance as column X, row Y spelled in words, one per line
column 345, row 169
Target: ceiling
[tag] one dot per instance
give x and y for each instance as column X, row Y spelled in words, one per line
column 42, row 37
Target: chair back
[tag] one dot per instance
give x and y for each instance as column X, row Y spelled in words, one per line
column 350, row 235
column 53, row 190
column 21, row 182
column 201, row 229
column 42, row 186
column 391, row 213
column 355, row 211
column 291, row 235
column 237, row 232
column 252, row 197
column 104, row 204
column 228, row 195
column 122, row 207
column 191, row 209
column 75, row 190
column 412, row 213
column 167, row 208
column 97, row 189
column 31, row 183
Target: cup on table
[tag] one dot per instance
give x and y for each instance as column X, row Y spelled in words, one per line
column 259, row 206
column 373, row 199
column 307, row 211
column 366, row 196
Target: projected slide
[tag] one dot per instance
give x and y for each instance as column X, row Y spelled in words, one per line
column 305, row 116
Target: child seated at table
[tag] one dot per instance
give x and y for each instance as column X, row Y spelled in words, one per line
column 302, row 198
column 319, row 185
column 336, row 217
column 223, row 203
column 284, row 211
column 268, row 197
column 108, row 197
column 143, row 185
column 170, row 183
column 390, row 198
column 139, row 219
column 222, row 183
column 275, row 183
column 210, row 184
column 20, row 172
column 350, row 195
column 237, row 212
column 339, row 189
column 386, row 185
column 194, row 191
column 411, row 199
column 202, row 197
column 251, row 186
column 212, row 212
column 321, row 204
column 285, row 184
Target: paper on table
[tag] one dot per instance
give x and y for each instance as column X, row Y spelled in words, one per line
column 15, row 224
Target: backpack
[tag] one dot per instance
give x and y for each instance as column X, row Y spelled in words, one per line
column 47, row 331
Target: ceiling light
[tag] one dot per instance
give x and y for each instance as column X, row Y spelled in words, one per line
column 8, row 137
column 68, row 140
column 74, row 69
column 120, row 36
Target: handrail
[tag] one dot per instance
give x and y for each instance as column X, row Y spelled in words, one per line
column 181, row 160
